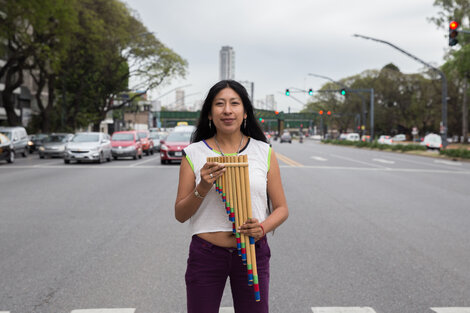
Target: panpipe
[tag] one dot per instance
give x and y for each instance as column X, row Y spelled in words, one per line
column 234, row 189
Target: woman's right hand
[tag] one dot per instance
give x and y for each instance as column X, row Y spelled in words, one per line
column 209, row 173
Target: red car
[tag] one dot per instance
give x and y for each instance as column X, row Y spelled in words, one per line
column 171, row 149
column 126, row 144
column 147, row 142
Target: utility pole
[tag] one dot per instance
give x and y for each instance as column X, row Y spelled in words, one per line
column 438, row 71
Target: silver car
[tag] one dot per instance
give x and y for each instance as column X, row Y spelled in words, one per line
column 54, row 145
column 88, row 147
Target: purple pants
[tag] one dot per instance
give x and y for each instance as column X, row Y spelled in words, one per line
column 208, row 268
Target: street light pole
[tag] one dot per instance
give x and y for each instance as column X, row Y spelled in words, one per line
column 441, row 74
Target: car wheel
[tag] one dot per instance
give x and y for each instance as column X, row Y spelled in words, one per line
column 41, row 156
column 25, row 152
column 140, row 156
column 135, row 156
column 66, row 161
column 147, row 152
column 151, row 151
column 11, row 158
column 115, row 157
column 162, row 161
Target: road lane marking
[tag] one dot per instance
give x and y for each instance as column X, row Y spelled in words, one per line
column 384, row 161
column 451, row 310
column 287, row 160
column 143, row 162
column 343, row 310
column 317, row 158
column 224, row 310
column 104, row 311
column 44, row 164
column 353, row 160
column 448, row 162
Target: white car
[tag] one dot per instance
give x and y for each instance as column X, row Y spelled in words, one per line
column 353, row 137
column 385, row 140
column 399, row 137
column 432, row 141
column 88, row 147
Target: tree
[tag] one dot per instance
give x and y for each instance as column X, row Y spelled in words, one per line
column 458, row 60
column 113, row 53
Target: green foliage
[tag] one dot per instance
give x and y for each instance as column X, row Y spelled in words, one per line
column 376, row 145
column 456, row 153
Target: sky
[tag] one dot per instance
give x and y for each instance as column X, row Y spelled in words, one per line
column 277, row 43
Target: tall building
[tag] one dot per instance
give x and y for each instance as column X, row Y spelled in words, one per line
column 227, row 63
column 271, row 103
column 179, row 101
column 250, row 88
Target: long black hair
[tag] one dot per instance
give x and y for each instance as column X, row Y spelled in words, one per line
column 252, row 129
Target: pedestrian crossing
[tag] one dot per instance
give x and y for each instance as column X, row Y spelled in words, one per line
column 313, row 310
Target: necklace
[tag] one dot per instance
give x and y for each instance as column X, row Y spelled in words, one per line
column 218, row 147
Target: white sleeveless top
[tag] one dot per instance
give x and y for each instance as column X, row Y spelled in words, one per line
column 211, row 215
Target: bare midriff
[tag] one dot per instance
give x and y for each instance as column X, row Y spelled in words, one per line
column 221, row 239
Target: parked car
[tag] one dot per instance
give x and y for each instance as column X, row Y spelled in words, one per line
column 399, row 137
column 156, row 137
column 365, row 138
column 386, row 140
column 54, row 145
column 88, row 147
column 352, row 137
column 185, row 128
column 35, row 141
column 7, row 150
column 286, row 137
column 126, row 144
column 19, row 138
column 147, row 142
column 171, row 148
column 432, row 141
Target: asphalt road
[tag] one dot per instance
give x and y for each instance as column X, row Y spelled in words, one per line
column 368, row 231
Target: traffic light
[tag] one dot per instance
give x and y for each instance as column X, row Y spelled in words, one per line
column 276, row 112
column 287, row 92
column 260, row 119
column 343, row 92
column 329, row 112
column 320, row 112
column 453, row 32
column 310, row 91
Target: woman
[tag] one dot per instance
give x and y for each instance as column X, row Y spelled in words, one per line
column 227, row 126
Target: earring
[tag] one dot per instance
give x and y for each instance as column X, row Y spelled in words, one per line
column 210, row 124
column 244, row 123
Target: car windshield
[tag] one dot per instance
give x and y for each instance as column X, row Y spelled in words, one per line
column 154, row 136
column 142, row 135
column 123, row 137
column 56, row 138
column 86, row 138
column 179, row 136
column 6, row 133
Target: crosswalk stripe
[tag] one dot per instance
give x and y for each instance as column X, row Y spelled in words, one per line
column 342, row 310
column 4, row 311
column 451, row 310
column 104, row 311
column 448, row 162
column 226, row 310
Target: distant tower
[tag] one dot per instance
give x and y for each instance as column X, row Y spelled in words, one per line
column 227, row 63
column 250, row 88
column 179, row 103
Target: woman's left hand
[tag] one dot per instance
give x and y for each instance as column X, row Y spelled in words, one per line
column 252, row 228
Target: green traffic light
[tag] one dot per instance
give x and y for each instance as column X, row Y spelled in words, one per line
column 287, row 92
column 310, row 91
column 343, row 92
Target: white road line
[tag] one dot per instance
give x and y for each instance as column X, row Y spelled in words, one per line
column 343, row 310
column 318, row 158
column 143, row 162
column 381, row 169
column 104, row 311
column 384, row 161
column 45, row 164
column 226, row 310
column 353, row 160
column 4, row 311
column 448, row 162
column 451, row 310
